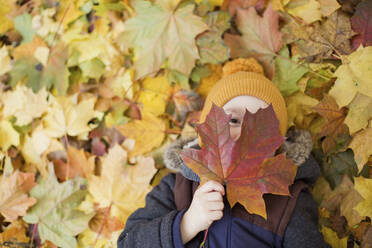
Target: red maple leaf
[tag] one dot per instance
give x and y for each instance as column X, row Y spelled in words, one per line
column 361, row 22
column 245, row 166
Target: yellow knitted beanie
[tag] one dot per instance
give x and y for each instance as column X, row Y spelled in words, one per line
column 245, row 77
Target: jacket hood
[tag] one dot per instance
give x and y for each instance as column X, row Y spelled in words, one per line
column 297, row 147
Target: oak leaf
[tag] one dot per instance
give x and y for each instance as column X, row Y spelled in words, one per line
column 245, row 166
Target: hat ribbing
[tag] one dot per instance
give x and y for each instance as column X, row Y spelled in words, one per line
column 247, row 83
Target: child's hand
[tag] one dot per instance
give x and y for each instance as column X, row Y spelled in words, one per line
column 206, row 207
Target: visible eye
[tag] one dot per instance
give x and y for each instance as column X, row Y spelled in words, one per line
column 234, row 121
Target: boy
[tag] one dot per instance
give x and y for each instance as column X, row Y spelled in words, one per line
column 178, row 211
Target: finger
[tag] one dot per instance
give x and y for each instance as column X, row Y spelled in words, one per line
column 213, row 206
column 212, row 186
column 216, row 215
column 214, row 196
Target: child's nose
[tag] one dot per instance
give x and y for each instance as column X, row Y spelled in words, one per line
column 235, row 132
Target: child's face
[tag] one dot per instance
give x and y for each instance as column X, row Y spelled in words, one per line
column 237, row 106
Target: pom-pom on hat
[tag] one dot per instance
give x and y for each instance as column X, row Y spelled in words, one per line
column 246, row 77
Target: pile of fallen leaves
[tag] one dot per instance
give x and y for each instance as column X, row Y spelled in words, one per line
column 93, row 90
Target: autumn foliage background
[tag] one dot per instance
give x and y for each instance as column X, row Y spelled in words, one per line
column 93, row 90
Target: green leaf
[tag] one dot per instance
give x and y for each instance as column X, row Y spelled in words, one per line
column 336, row 165
column 287, row 72
column 179, row 78
column 199, row 72
column 93, row 68
column 211, row 46
column 162, row 31
column 54, row 74
column 55, row 211
column 23, row 24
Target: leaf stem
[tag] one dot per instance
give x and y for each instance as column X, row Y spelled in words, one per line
column 68, row 160
column 107, row 211
column 33, row 233
column 205, row 238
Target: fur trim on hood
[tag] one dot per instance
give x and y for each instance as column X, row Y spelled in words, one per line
column 298, row 147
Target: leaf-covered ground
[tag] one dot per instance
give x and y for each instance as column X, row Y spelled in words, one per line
column 93, row 90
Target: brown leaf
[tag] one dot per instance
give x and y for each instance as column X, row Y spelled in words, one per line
column 79, row 164
column 321, row 40
column 14, row 201
column 334, row 126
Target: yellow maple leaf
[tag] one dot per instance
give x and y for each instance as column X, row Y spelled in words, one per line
column 300, row 109
column 308, row 10
column 327, row 7
column 155, row 94
column 360, row 112
column 361, row 145
column 15, row 231
column 122, row 84
column 363, row 186
column 24, row 104
column 90, row 47
column 8, row 135
column 69, row 11
column 353, row 76
column 148, row 133
column 33, row 148
column 121, row 187
column 67, row 116
column 6, row 23
column 331, row 238
column 5, row 65
column 88, row 238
